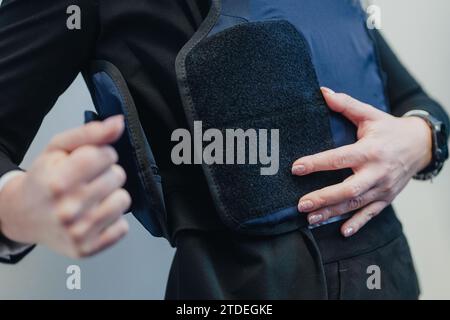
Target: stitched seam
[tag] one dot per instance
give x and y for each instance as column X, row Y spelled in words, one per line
column 236, row 17
column 184, row 86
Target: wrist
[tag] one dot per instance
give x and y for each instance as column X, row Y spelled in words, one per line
column 423, row 142
column 9, row 188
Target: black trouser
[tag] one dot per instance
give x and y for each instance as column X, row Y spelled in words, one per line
column 229, row 266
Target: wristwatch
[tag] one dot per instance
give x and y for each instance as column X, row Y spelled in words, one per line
column 440, row 146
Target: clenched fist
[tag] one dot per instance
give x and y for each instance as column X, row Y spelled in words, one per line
column 71, row 199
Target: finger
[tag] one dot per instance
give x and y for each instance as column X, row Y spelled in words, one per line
column 102, row 216
column 105, row 185
column 350, row 189
column 354, row 110
column 348, row 156
column 82, row 166
column 93, row 193
column 362, row 217
column 107, row 238
column 345, row 207
column 93, row 133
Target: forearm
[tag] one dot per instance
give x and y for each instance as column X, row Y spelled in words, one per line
column 34, row 71
column 10, row 251
column 418, row 99
column 404, row 92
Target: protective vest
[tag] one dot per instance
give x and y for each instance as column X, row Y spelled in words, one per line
column 254, row 64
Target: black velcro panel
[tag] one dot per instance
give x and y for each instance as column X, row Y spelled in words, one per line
column 259, row 75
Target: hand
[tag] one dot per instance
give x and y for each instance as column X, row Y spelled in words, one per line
column 388, row 153
column 71, row 198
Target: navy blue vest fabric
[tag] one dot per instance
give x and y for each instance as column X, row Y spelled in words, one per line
column 342, row 50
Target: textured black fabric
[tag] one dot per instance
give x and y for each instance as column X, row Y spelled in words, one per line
column 260, row 75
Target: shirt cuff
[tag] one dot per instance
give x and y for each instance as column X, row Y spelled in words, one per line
column 11, row 250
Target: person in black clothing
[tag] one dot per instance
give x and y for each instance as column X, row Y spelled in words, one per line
column 39, row 59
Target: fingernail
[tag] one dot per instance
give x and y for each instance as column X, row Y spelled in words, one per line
column 305, row 205
column 113, row 121
column 327, row 90
column 315, row 218
column 348, row 231
column 300, row 169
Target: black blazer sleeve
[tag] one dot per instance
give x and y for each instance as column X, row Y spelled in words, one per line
column 39, row 59
column 404, row 92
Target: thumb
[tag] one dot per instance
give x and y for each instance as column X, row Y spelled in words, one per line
column 354, row 110
column 93, row 133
